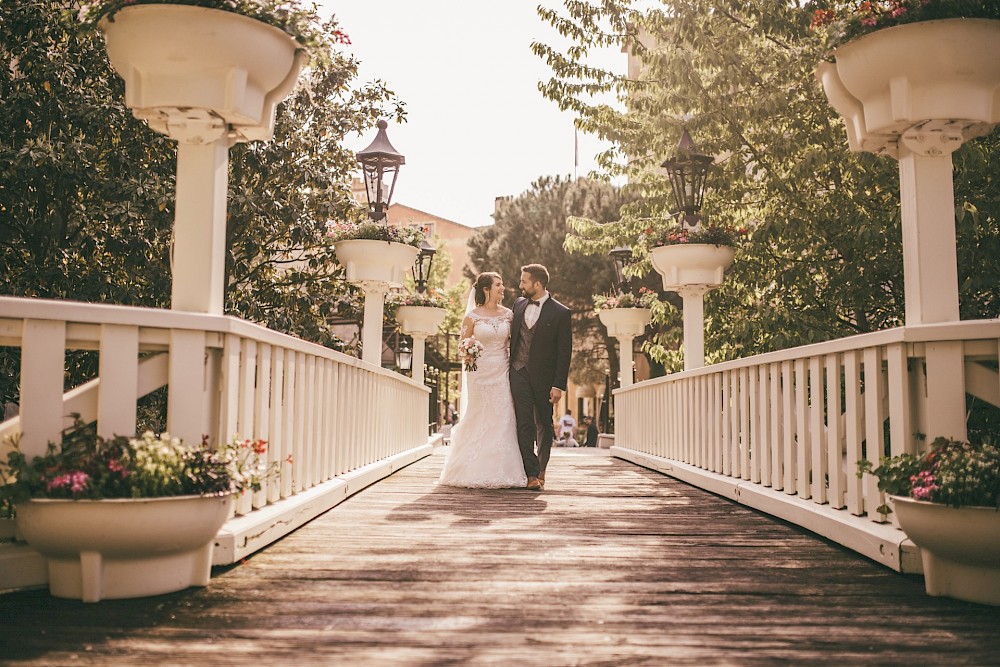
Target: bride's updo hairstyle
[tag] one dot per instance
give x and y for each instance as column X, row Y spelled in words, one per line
column 484, row 281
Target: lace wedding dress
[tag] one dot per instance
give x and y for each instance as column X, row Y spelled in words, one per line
column 484, row 451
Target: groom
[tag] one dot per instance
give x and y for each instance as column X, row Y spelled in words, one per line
column 541, row 341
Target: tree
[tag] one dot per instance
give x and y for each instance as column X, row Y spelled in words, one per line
column 824, row 255
column 87, row 191
column 531, row 228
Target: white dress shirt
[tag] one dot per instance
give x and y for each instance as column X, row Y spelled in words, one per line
column 531, row 313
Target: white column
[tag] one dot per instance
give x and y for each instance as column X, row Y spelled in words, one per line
column 694, row 325
column 626, row 372
column 417, row 373
column 930, row 265
column 199, row 253
column 371, row 331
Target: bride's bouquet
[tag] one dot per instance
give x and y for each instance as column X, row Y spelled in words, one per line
column 470, row 349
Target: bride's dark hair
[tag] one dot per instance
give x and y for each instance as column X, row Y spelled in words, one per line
column 484, row 281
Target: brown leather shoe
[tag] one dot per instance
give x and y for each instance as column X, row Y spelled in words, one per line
column 541, row 480
column 534, row 484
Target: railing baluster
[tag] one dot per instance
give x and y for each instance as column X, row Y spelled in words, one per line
column 43, row 358
column 817, row 434
column 777, row 422
column 187, row 414
column 763, row 440
column 276, row 450
column 262, row 409
column 744, row 411
column 801, row 429
column 734, row 424
column 901, row 426
column 874, row 425
column 788, row 426
column 753, row 423
column 834, row 410
column 119, row 374
column 853, row 431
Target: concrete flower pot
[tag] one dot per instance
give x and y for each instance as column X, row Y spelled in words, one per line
column 891, row 80
column 625, row 321
column 959, row 546
column 382, row 261
column 124, row 548
column 689, row 264
column 194, row 73
column 420, row 320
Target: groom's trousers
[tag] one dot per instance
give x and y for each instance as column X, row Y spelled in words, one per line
column 533, row 413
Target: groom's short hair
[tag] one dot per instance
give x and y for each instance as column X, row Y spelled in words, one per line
column 538, row 273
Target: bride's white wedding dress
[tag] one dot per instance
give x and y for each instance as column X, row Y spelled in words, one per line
column 484, row 451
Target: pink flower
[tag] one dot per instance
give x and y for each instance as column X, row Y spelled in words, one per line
column 76, row 481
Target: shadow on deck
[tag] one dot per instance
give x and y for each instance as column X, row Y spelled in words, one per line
column 611, row 565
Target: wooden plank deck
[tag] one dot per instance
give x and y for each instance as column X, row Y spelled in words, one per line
column 611, row 565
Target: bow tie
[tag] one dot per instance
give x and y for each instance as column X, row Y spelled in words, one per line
column 532, row 302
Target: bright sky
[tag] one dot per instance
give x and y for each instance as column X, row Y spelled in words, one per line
column 477, row 127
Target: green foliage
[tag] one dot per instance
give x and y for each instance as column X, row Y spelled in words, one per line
column 85, row 466
column 617, row 299
column 823, row 254
column 87, row 191
column 951, row 472
column 532, row 228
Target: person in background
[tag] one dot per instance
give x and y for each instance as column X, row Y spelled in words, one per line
column 590, row 440
column 567, row 425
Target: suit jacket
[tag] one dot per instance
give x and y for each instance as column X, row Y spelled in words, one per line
column 551, row 345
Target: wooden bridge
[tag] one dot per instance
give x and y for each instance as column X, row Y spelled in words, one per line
column 612, row 565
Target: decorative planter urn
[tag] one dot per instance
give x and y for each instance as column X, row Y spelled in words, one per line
column 383, row 261
column 959, row 546
column 688, row 264
column 934, row 83
column 629, row 322
column 420, row 320
column 124, row 548
column 195, row 73
column 625, row 324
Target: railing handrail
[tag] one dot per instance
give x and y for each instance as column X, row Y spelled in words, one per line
column 948, row 331
column 18, row 308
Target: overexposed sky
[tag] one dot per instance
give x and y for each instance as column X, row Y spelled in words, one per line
column 477, row 127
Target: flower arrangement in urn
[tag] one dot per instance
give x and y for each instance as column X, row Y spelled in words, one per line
column 86, row 466
column 855, row 19
column 288, row 15
column 429, row 298
column 951, row 472
column 645, row 299
column 374, row 231
column 703, row 234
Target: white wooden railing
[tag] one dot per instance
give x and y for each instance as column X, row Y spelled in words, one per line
column 328, row 417
column 784, row 431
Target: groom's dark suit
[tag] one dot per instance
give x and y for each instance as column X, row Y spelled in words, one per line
column 545, row 365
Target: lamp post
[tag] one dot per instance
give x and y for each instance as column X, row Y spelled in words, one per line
column 379, row 161
column 688, row 172
column 691, row 270
column 404, row 357
column 422, row 267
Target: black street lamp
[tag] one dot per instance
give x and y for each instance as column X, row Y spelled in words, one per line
column 379, row 160
column 622, row 256
column 688, row 171
column 404, row 357
column 422, row 266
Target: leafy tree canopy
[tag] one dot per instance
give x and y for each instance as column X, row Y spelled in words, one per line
column 824, row 255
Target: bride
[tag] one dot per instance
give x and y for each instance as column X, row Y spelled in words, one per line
column 484, row 451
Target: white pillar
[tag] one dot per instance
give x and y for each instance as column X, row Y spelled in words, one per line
column 694, row 325
column 199, row 253
column 371, row 330
column 930, row 264
column 417, row 372
column 626, row 372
